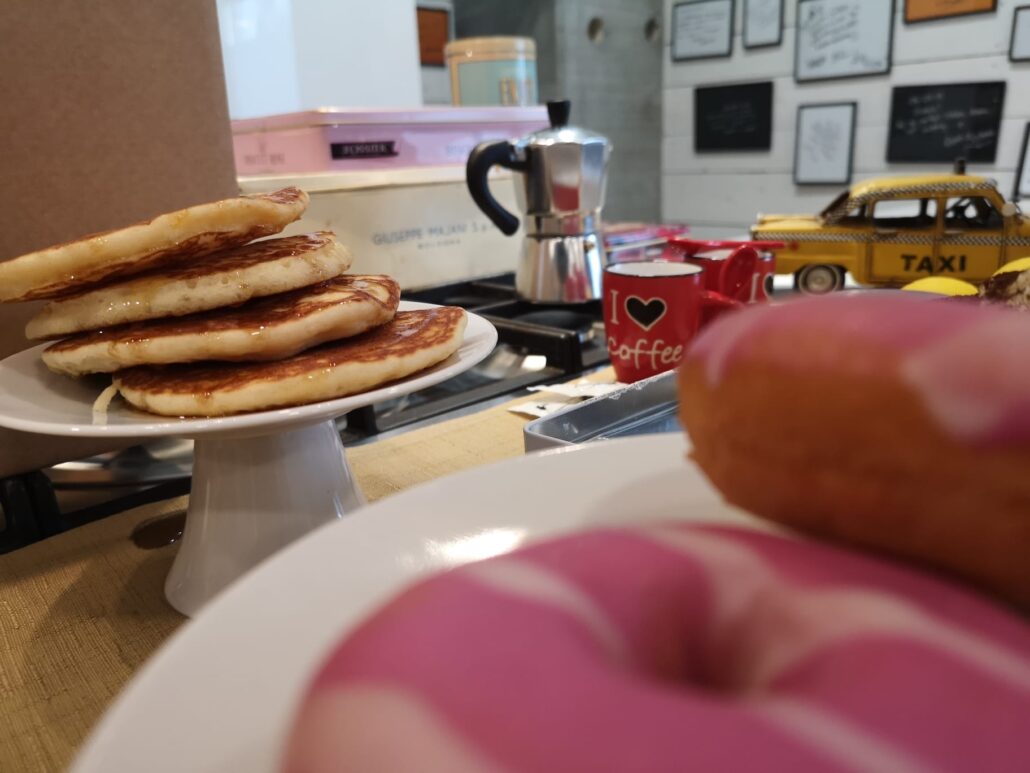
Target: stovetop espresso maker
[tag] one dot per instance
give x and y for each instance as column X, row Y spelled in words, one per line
column 563, row 171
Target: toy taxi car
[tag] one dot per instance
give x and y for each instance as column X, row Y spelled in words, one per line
column 893, row 230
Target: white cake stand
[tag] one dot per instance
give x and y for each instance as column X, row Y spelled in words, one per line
column 260, row 480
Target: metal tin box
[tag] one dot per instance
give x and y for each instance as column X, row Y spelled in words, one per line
column 643, row 408
column 335, row 139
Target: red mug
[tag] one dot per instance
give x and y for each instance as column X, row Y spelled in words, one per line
column 725, row 277
column 762, row 280
column 652, row 310
column 728, row 271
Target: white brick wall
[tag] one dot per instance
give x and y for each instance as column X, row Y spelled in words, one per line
column 720, row 194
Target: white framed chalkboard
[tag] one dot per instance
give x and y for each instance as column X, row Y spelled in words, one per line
column 763, row 23
column 824, row 143
column 702, row 29
column 1023, row 172
column 1019, row 43
column 843, row 39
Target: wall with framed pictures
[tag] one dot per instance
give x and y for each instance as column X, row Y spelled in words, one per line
column 819, row 54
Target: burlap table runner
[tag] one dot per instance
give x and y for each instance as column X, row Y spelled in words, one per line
column 80, row 612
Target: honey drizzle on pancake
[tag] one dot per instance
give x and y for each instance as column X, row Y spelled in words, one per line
column 189, row 249
column 199, row 245
column 255, row 315
column 410, row 331
column 234, row 259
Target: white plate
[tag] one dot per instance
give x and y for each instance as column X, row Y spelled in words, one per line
column 35, row 399
column 220, row 694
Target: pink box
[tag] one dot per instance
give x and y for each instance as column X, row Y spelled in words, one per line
column 626, row 242
column 336, row 139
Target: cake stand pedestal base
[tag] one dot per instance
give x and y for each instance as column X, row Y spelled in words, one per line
column 251, row 495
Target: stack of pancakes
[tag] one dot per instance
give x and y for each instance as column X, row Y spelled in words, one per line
column 194, row 318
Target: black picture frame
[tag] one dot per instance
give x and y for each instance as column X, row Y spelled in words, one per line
column 1016, row 193
column 797, row 49
column 916, row 135
column 851, row 142
column 1012, row 34
column 729, row 37
column 743, row 30
column 959, row 15
column 734, row 118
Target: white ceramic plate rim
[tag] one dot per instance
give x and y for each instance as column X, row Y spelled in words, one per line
column 218, row 696
column 124, row 422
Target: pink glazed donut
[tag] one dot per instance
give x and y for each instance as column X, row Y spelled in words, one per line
column 886, row 420
column 674, row 648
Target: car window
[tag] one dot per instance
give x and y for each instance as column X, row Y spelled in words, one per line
column 905, row 213
column 971, row 212
column 836, row 204
column 857, row 215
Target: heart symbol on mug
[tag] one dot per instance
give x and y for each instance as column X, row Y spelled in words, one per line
column 645, row 313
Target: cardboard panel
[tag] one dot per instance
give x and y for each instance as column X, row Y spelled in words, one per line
column 112, row 112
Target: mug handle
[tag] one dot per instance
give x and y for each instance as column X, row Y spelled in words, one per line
column 742, row 262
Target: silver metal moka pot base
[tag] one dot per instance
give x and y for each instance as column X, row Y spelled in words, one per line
column 561, row 269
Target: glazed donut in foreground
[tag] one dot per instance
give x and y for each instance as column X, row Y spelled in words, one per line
column 890, row 421
column 673, row 648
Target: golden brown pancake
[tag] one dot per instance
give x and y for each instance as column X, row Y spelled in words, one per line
column 412, row 341
column 176, row 237
column 265, row 329
column 224, row 279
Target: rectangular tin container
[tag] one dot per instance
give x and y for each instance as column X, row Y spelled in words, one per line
column 643, row 408
column 336, row 139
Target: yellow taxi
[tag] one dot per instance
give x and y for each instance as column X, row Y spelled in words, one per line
column 890, row 231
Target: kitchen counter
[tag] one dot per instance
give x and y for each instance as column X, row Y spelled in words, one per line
column 80, row 612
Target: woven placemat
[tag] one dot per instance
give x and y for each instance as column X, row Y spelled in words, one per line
column 80, row 612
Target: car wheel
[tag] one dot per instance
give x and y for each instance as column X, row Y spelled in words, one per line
column 819, row 279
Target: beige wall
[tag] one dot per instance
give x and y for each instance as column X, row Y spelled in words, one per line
column 112, row 112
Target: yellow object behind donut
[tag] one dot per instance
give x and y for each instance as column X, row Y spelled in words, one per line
column 1020, row 264
column 941, row 285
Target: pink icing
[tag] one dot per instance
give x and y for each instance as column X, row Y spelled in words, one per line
column 676, row 648
column 967, row 362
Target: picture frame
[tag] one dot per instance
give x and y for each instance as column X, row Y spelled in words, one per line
column 762, row 25
column 919, row 11
column 736, row 117
column 702, row 29
column 435, row 28
column 1019, row 40
column 1021, row 187
column 941, row 122
column 824, row 143
column 822, row 53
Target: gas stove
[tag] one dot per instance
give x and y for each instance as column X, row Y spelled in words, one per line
column 537, row 344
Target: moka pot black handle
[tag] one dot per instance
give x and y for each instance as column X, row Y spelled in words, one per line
column 482, row 157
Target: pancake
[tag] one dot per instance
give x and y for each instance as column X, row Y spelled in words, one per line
column 176, row 237
column 265, row 329
column 224, row 279
column 412, row 341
